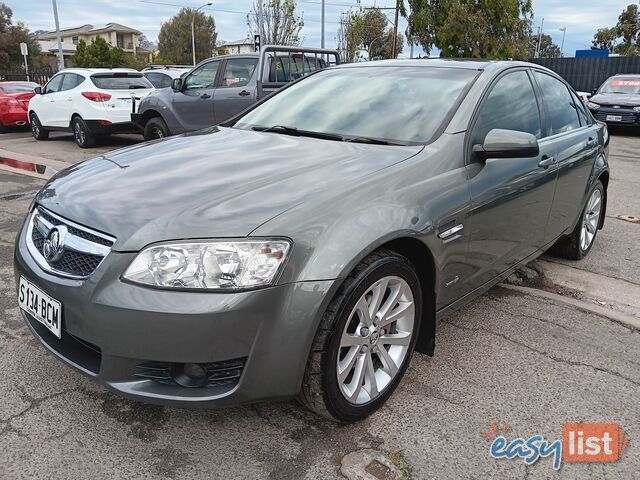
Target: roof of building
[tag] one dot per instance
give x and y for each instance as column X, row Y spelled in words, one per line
column 244, row 41
column 51, row 46
column 88, row 29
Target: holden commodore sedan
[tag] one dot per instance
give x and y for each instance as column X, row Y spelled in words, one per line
column 306, row 247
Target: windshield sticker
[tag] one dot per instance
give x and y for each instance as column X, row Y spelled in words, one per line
column 625, row 83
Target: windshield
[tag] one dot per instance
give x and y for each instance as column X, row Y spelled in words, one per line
column 622, row 85
column 18, row 87
column 403, row 105
column 120, row 81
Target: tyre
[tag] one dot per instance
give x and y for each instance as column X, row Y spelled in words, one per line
column 3, row 129
column 81, row 133
column 578, row 244
column 37, row 130
column 365, row 340
column 156, row 128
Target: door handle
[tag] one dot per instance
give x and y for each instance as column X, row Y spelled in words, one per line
column 592, row 143
column 546, row 162
column 244, row 93
column 204, row 96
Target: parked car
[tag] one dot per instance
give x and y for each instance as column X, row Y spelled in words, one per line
column 617, row 101
column 14, row 98
column 88, row 102
column 307, row 247
column 162, row 78
column 220, row 87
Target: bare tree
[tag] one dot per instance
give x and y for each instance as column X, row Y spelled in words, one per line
column 276, row 21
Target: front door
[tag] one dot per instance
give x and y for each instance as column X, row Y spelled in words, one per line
column 47, row 113
column 237, row 90
column 575, row 141
column 193, row 105
column 510, row 197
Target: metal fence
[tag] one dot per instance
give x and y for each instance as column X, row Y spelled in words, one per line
column 40, row 76
column 587, row 73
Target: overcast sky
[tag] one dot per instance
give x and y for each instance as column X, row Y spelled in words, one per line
column 582, row 18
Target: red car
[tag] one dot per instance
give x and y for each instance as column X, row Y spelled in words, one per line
column 14, row 101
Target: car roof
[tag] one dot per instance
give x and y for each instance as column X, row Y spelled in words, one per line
column 98, row 70
column 469, row 64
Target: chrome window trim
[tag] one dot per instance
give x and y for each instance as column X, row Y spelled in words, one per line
column 72, row 242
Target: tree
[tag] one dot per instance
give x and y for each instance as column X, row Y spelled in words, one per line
column 370, row 29
column 145, row 44
column 174, row 39
column 547, row 49
column 99, row 55
column 470, row 28
column 279, row 23
column 624, row 37
column 10, row 38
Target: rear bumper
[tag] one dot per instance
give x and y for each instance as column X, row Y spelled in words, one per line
column 115, row 332
column 98, row 128
column 14, row 118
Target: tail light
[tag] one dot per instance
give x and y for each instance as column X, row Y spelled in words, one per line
column 96, row 96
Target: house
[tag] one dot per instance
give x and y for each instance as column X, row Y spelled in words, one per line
column 115, row 34
column 239, row 46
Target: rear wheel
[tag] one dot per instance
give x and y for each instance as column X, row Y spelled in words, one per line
column 155, row 128
column 81, row 134
column 365, row 340
column 38, row 132
column 578, row 244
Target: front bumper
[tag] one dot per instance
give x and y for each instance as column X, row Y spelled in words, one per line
column 628, row 117
column 111, row 329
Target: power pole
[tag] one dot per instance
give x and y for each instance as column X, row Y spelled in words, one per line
column 322, row 27
column 539, row 39
column 59, row 37
column 394, row 41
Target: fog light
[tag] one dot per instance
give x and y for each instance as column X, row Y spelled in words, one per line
column 189, row 375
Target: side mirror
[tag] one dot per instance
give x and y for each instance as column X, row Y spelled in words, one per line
column 507, row 144
column 593, row 92
column 176, row 84
column 38, row 90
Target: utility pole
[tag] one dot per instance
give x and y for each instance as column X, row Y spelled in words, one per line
column 394, row 41
column 261, row 23
column 564, row 31
column 322, row 27
column 193, row 30
column 539, row 39
column 59, row 37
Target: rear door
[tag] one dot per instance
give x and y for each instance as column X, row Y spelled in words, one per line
column 510, row 197
column 574, row 139
column 193, row 105
column 47, row 106
column 237, row 89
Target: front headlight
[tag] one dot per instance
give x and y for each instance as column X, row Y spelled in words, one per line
column 214, row 265
column 636, row 109
column 593, row 105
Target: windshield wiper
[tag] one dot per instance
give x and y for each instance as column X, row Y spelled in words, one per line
column 371, row 141
column 297, row 132
column 277, row 128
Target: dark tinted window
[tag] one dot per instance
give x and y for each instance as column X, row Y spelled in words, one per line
column 560, row 112
column 159, row 80
column 582, row 111
column 54, row 84
column 120, row 81
column 399, row 104
column 287, row 69
column 238, row 72
column 511, row 105
column 204, row 76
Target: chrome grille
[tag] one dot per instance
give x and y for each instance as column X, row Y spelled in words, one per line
column 80, row 251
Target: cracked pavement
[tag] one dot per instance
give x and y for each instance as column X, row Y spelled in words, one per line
column 507, row 358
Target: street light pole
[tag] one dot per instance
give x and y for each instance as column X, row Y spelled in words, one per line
column 371, row 45
column 564, row 31
column 539, row 39
column 59, row 37
column 193, row 34
column 322, row 27
column 394, row 41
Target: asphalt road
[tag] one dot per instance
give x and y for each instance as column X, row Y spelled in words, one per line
column 508, row 358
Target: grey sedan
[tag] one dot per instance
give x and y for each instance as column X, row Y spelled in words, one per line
column 306, row 248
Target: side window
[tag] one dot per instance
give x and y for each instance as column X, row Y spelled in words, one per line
column 69, row 81
column 54, row 84
column 511, row 105
column 165, row 81
column 560, row 111
column 238, row 72
column 582, row 111
column 203, row 77
column 154, row 78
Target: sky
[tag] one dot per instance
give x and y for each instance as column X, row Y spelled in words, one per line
column 581, row 18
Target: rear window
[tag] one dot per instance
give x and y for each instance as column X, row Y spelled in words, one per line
column 18, row 87
column 120, row 81
column 289, row 68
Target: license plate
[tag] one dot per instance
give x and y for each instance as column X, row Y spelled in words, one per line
column 614, row 118
column 45, row 309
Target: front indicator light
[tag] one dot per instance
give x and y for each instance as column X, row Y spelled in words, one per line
column 636, row 109
column 593, row 106
column 215, row 265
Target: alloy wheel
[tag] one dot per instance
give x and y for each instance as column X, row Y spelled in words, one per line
column 376, row 339
column 591, row 219
column 156, row 132
column 35, row 126
column 79, row 133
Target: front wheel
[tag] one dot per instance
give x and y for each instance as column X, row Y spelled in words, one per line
column 81, row 134
column 38, row 132
column 365, row 340
column 155, row 128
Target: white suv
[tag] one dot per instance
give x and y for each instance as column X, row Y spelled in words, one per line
column 88, row 102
